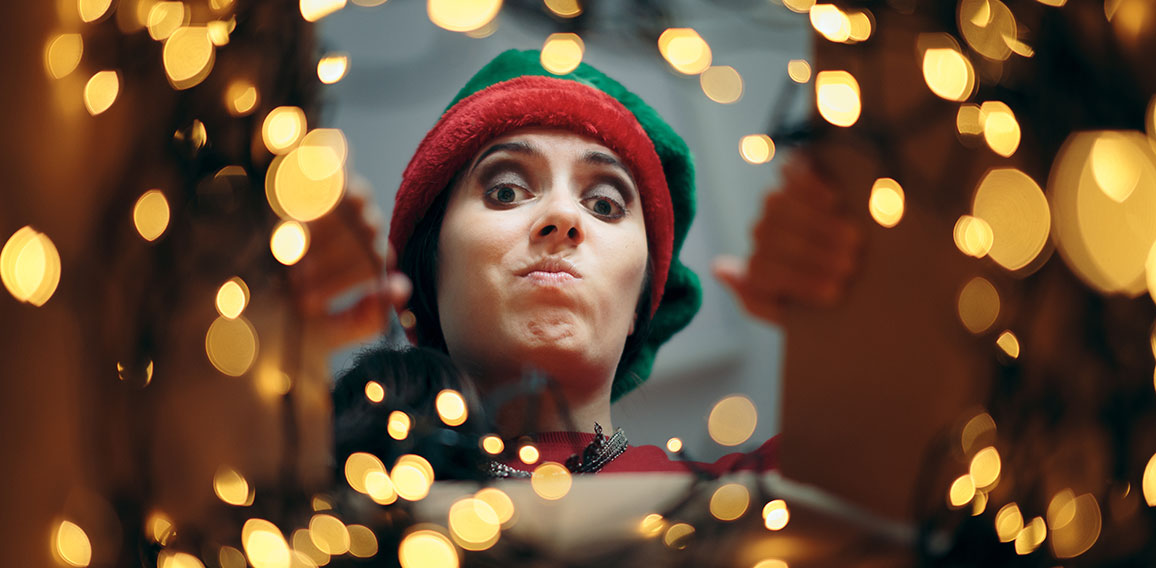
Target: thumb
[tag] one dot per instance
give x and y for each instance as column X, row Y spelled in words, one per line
column 732, row 272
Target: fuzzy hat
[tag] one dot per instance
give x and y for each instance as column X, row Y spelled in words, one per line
column 514, row 91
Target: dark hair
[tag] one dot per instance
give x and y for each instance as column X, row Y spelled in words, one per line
column 412, row 379
column 419, row 261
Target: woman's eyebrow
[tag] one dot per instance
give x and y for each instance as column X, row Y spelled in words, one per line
column 602, row 158
column 515, row 147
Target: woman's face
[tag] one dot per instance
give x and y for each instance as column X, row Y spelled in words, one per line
column 542, row 258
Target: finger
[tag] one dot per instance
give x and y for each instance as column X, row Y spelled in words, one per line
column 797, row 247
column 400, row 289
column 786, row 215
column 732, row 272
column 788, row 283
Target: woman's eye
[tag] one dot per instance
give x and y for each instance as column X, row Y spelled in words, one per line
column 505, row 194
column 606, row 207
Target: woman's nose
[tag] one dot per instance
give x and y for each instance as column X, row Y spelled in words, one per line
column 560, row 223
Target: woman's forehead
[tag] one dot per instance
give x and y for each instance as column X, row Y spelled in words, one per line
column 544, row 140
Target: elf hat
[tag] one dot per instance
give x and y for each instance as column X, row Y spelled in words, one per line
column 513, row 92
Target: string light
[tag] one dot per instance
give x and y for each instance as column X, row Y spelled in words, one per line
column 652, row 525
column 1001, row 130
column 837, row 97
column 62, row 55
column 412, row 477
column 462, row 15
column 969, row 120
column 684, row 50
column 329, row 534
column 493, row 445
column 230, row 557
column 1008, row 522
column 30, row 266
column 240, row 97
column 302, row 544
column 985, row 468
column 151, row 214
column 528, row 454
column 188, row 56
column 332, row 68
column 173, row 559
column 776, row 515
column 160, row 528
column 283, row 127
column 1148, row 483
column 987, row 26
column 101, row 91
column 314, row 10
column 831, row 22
column 799, row 6
column 218, row 32
column 674, row 445
column 1031, row 537
column 678, row 536
column 1075, row 524
column 973, row 236
column 562, row 53
column 399, row 424
column 980, row 426
column 722, row 84
column 732, row 420
column 93, row 10
column 379, row 487
column 771, row 563
column 947, row 72
column 961, row 493
column 485, row 31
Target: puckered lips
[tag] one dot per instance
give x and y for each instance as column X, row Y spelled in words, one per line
column 550, row 271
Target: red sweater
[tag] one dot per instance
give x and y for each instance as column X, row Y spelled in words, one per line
column 559, row 446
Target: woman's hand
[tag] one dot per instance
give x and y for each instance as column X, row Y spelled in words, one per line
column 343, row 255
column 805, row 249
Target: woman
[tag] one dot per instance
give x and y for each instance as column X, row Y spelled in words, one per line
column 540, row 222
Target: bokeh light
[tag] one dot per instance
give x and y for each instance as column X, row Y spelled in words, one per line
column 831, row 22
column 188, row 56
column 722, row 84
column 462, row 15
column 164, row 18
column 474, row 524
column 652, row 525
column 264, row 544
column 685, row 50
column 362, row 542
column 1015, row 209
column 173, row 559
column 799, row 6
column 674, row 445
column 1148, row 484
column 1075, row 523
column 1009, row 522
column 678, row 536
column 412, row 477
column 399, row 424
column 501, row 503
column 564, row 8
column 1001, row 130
column 160, row 528
column 985, row 468
column 240, row 97
column 1009, row 343
column 332, row 68
column 379, row 487
column 1031, row 537
column 551, row 481
column 562, row 52
column 451, row 407
column 232, row 297
column 1105, row 241
column 973, row 236
column 988, row 26
column 302, row 544
column 887, row 202
column 946, row 70
column 71, row 545
column 978, row 428
column 837, row 97
column 729, row 501
column 230, row 557
column 329, row 534
column 62, row 54
column 289, row 242
column 283, row 127
column 232, row 487
column 150, row 214
column 961, row 492
column 978, row 305
column 101, row 91
column 374, row 392
column 969, row 120
column 30, row 266
column 427, row 548
column 93, row 10
column 231, row 345
column 776, row 515
column 309, row 181
column 732, row 420
column 528, row 454
column 757, row 148
column 493, row 445
column 771, row 563
column 799, row 70
column 314, row 10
